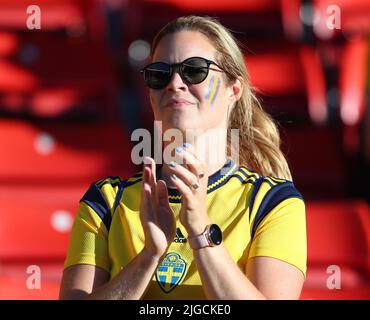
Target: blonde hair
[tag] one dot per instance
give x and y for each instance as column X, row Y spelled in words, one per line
column 259, row 139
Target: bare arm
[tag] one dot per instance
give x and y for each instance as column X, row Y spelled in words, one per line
column 265, row 278
column 90, row 282
column 275, row 278
column 221, row 277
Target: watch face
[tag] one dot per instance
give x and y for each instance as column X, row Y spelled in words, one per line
column 215, row 234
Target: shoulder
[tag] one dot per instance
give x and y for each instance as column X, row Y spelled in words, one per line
column 269, row 193
column 103, row 196
column 109, row 187
column 265, row 185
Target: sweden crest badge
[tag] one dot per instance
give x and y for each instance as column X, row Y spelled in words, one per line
column 170, row 272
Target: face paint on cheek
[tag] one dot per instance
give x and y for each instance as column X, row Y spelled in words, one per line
column 213, row 96
column 210, row 87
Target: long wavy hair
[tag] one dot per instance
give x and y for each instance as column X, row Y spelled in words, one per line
column 259, row 139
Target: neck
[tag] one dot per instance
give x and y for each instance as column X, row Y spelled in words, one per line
column 210, row 148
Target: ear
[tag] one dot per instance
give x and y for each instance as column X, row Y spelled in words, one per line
column 236, row 89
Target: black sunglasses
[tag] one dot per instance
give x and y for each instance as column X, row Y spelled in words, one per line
column 193, row 70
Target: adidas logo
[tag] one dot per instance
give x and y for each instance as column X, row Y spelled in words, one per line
column 179, row 238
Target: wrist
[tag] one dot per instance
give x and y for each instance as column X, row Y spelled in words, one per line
column 197, row 228
column 149, row 256
column 210, row 237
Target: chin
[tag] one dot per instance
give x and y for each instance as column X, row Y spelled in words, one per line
column 182, row 124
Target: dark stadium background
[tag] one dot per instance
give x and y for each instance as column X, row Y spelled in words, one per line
column 71, row 95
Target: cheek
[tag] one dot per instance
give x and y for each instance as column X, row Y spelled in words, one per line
column 154, row 100
column 151, row 97
column 212, row 90
column 154, row 103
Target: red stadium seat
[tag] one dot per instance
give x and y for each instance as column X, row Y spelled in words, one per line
column 353, row 76
column 317, row 160
column 290, row 10
column 345, row 63
column 234, row 14
column 62, row 153
column 338, row 234
column 36, row 220
column 35, row 225
column 290, row 71
column 9, row 43
column 44, row 75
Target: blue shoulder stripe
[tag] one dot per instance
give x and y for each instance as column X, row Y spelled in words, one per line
column 95, row 199
column 256, row 188
column 273, row 197
column 121, row 188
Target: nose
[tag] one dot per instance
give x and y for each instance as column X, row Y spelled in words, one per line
column 176, row 83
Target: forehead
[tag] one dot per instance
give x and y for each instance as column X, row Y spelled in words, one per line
column 178, row 46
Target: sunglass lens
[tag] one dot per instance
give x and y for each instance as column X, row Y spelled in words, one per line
column 157, row 75
column 195, row 70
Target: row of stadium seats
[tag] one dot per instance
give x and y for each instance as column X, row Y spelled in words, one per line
column 270, row 18
column 62, row 153
column 288, row 15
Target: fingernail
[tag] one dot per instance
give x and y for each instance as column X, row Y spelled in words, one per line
column 186, row 145
column 172, row 164
column 146, row 160
column 178, row 149
column 173, row 176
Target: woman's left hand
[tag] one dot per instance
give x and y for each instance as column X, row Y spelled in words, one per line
column 191, row 180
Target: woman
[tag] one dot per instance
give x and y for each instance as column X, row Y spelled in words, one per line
column 199, row 227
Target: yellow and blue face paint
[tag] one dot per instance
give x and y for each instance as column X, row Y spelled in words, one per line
column 214, row 85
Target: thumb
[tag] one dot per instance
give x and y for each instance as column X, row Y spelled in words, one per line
column 162, row 197
column 162, row 194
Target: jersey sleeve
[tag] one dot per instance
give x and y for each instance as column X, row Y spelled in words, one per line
column 89, row 235
column 279, row 229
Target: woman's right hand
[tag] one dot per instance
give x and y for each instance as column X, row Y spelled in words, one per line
column 156, row 215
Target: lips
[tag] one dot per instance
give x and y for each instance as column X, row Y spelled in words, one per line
column 178, row 103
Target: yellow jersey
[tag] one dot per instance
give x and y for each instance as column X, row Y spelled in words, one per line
column 258, row 215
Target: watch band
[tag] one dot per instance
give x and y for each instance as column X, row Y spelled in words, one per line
column 200, row 241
